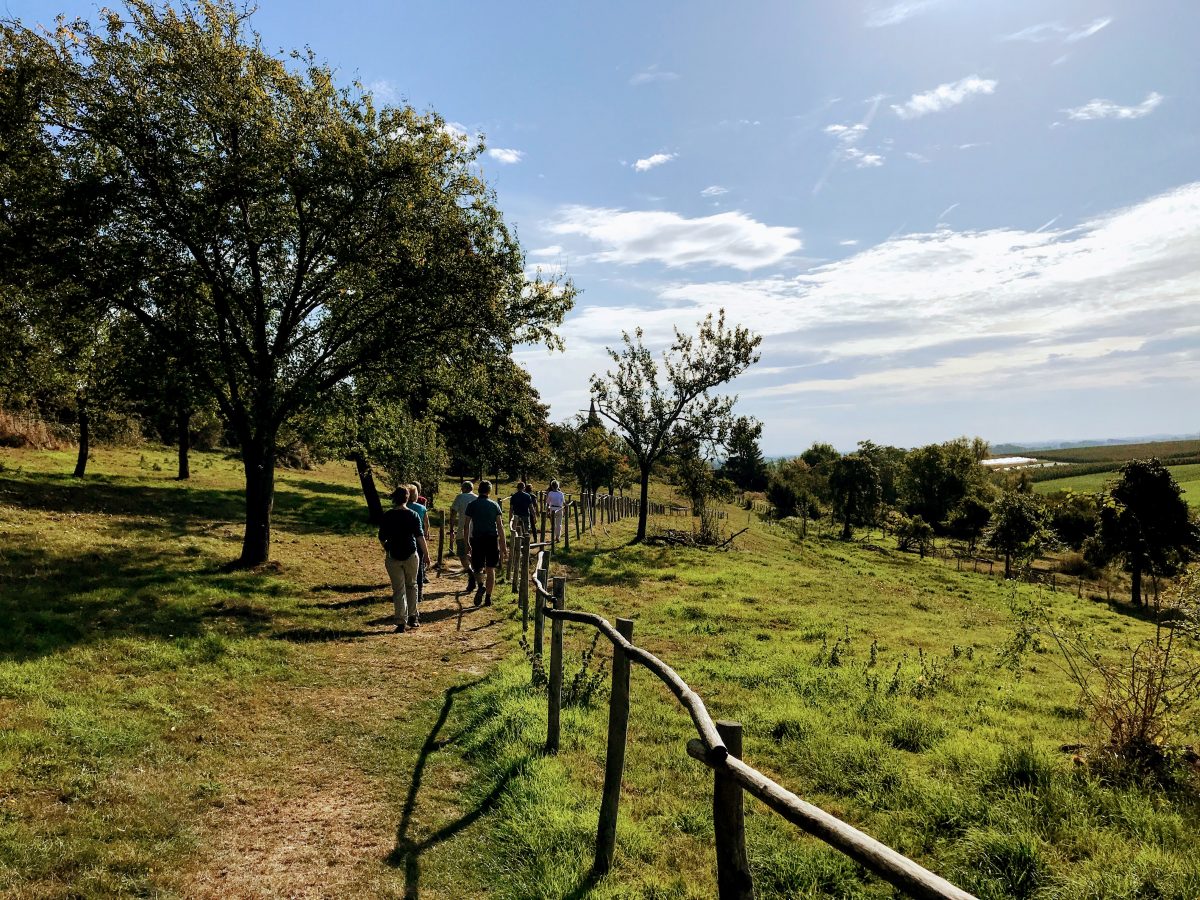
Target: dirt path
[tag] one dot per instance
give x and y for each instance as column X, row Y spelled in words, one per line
column 318, row 774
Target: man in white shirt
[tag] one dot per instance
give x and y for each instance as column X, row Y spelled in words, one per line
column 555, row 501
column 458, row 524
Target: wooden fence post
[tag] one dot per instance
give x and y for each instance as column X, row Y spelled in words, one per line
column 514, row 560
column 554, row 711
column 614, row 759
column 539, row 616
column 729, row 825
column 566, row 528
column 523, row 593
column 441, row 545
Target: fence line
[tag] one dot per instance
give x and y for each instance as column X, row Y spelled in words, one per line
column 717, row 746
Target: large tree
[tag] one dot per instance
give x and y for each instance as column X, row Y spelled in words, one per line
column 1145, row 523
column 1020, row 528
column 647, row 404
column 327, row 239
column 744, row 464
column 938, row 477
column 855, row 488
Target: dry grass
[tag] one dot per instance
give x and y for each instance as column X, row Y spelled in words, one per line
column 32, row 433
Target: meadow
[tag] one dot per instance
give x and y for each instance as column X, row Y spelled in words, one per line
column 173, row 728
column 1187, row 476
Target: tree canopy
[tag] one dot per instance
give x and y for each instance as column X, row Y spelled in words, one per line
column 648, row 406
column 282, row 228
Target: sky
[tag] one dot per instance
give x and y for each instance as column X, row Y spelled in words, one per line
column 944, row 217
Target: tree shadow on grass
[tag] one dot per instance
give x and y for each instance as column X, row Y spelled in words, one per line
column 408, row 849
column 181, row 507
column 53, row 600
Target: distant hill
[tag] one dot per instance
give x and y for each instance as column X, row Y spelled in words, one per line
column 1010, row 449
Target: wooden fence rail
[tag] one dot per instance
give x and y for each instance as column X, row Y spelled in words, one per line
column 718, row 746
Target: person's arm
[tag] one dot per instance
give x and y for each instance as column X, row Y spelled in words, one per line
column 423, row 548
column 503, row 545
column 468, row 534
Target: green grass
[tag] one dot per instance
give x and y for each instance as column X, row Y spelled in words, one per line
column 1164, row 450
column 1187, row 476
column 172, row 728
column 928, row 741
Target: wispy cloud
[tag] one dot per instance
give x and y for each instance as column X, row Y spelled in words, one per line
column 945, row 212
column 1056, row 31
column 384, row 91
column 848, row 137
column 944, row 96
column 862, row 159
column 1083, row 306
column 1106, row 109
column 457, row 131
column 628, row 237
column 849, row 242
column 552, row 250
column 506, row 156
column 714, row 190
column 882, row 15
column 650, row 162
column 652, row 74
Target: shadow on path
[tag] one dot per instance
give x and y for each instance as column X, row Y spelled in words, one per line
column 408, row 850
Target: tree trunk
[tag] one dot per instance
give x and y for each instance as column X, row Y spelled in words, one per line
column 370, row 492
column 1007, row 566
column 644, row 508
column 184, row 423
column 84, row 437
column 847, row 534
column 258, row 459
column 1135, row 577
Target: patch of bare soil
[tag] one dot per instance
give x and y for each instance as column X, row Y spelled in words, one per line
column 298, row 817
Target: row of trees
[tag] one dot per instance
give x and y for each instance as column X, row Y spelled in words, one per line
column 1141, row 522
column 260, row 240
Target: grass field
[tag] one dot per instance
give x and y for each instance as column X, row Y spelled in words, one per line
column 174, row 729
column 1187, row 476
column 1164, row 450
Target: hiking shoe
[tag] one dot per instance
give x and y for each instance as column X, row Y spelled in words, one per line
column 414, row 622
column 399, row 629
column 471, row 582
column 479, row 595
column 487, row 600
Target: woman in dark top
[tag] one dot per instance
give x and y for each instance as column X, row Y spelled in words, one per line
column 404, row 545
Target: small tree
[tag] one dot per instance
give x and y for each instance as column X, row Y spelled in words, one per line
column 854, row 486
column 1020, row 529
column 646, row 412
column 744, row 464
column 1144, row 522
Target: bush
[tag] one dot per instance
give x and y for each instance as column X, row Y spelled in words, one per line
column 32, row 432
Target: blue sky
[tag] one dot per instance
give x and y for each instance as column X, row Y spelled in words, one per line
column 944, row 216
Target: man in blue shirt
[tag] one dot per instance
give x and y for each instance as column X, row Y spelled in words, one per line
column 485, row 538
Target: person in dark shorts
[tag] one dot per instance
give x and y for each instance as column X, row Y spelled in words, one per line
column 520, row 506
column 404, row 546
column 485, row 541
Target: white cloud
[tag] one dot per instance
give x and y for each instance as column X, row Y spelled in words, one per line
column 714, row 190
column 725, row 239
column 506, row 156
column 863, row 160
column 652, row 74
column 1056, row 31
column 850, row 242
column 657, row 159
column 847, row 134
column 384, row 92
column 973, row 144
column 457, row 131
column 1106, row 109
column 1088, row 30
column 917, row 157
column 880, row 16
column 944, row 96
column 965, row 311
column 552, row 250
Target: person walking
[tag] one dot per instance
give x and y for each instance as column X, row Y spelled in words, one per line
column 485, row 541
column 404, row 546
column 520, row 507
column 555, row 502
column 415, row 504
column 458, row 525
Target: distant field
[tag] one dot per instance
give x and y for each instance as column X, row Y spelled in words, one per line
column 1188, row 477
column 1119, row 453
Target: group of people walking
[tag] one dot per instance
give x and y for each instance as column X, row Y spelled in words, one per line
column 475, row 520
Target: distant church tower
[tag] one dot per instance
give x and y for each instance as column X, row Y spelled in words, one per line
column 593, row 420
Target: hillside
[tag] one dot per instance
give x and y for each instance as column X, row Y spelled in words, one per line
column 176, row 729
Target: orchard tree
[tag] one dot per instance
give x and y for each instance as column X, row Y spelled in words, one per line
column 1020, row 529
column 647, row 403
column 938, row 477
column 856, row 492
column 1145, row 523
column 744, row 464
column 329, row 239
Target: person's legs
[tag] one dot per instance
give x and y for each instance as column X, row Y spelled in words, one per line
column 395, row 570
column 410, row 589
column 465, row 559
column 420, row 580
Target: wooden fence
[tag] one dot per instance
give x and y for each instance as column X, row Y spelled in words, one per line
column 718, row 746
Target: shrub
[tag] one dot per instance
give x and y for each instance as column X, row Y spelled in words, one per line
column 31, row 432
